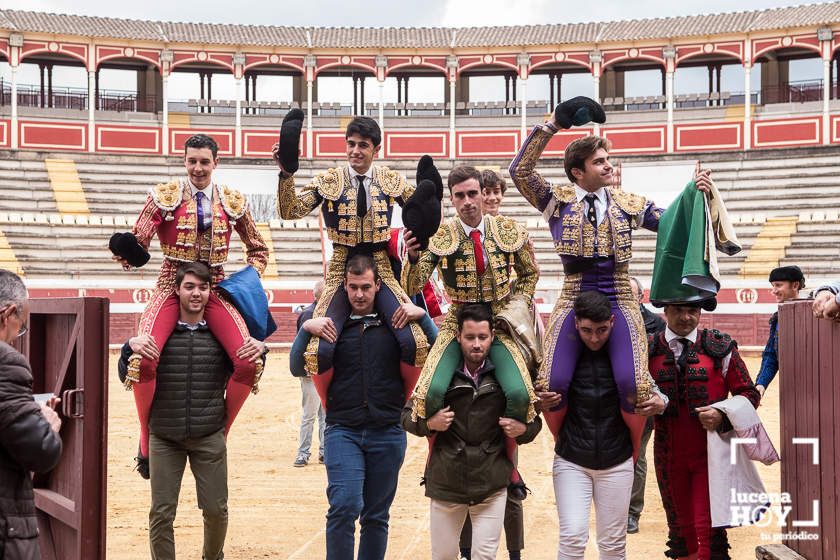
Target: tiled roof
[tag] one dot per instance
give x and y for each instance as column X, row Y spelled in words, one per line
column 381, row 37
column 422, row 37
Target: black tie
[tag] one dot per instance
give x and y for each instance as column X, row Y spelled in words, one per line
column 681, row 361
column 361, row 197
column 591, row 215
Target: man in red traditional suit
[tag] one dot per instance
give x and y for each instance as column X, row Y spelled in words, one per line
column 694, row 368
column 193, row 218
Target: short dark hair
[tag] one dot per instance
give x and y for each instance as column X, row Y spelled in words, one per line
column 461, row 173
column 359, row 264
column 201, row 141
column 492, row 179
column 365, row 127
column 580, row 149
column 477, row 312
column 196, row 268
column 593, row 305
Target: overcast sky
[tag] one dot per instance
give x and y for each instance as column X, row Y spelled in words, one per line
column 386, row 13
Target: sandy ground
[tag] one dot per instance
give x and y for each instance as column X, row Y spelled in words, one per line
column 277, row 510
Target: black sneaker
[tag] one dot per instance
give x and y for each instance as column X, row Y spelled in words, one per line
column 632, row 525
column 142, row 465
column 321, row 458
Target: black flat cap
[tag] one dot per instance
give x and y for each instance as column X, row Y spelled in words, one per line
column 790, row 273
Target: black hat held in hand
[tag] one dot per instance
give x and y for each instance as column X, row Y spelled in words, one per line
column 125, row 245
column 578, row 111
column 426, row 171
column 290, row 140
column 421, row 212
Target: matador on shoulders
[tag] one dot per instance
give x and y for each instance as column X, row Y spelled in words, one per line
column 356, row 203
column 193, row 218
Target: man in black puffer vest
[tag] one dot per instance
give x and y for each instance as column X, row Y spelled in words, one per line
column 594, row 450
column 29, row 438
column 188, row 417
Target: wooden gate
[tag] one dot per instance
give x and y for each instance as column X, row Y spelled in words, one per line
column 809, row 401
column 67, row 346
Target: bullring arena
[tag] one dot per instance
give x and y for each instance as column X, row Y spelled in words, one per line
column 76, row 163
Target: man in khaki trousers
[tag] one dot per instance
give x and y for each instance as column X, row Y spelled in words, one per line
column 468, row 469
column 187, row 419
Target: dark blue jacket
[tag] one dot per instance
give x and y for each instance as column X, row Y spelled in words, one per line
column 770, row 355
column 366, row 388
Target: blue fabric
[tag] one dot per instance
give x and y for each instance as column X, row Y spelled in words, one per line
column 770, row 355
column 429, row 328
column 203, row 212
column 296, row 362
column 363, row 466
column 245, row 291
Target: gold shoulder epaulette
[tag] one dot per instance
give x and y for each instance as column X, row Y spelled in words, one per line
column 509, row 234
column 564, row 193
column 391, row 182
column 445, row 241
column 330, row 183
column 167, row 196
column 630, row 203
column 233, row 201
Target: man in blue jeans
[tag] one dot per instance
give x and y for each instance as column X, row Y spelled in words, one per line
column 364, row 444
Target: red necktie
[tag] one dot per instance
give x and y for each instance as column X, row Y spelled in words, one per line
column 475, row 235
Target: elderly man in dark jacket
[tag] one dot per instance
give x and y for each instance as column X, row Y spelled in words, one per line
column 29, row 438
column 187, row 418
column 468, row 469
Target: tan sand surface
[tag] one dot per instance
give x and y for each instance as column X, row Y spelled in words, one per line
column 277, row 510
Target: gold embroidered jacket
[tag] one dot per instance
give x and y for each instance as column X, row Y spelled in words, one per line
column 451, row 252
column 170, row 212
column 572, row 233
column 336, row 193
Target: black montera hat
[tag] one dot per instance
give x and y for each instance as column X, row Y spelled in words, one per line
column 421, row 212
column 578, row 111
column 125, row 245
column 426, row 170
column 289, row 150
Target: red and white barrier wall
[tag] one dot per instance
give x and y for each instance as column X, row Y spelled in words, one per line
column 64, row 135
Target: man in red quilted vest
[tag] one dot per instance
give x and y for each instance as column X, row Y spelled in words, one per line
column 695, row 368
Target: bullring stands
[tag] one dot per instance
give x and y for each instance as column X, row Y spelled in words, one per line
column 796, row 188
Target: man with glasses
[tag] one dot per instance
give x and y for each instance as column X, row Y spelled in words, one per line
column 29, row 439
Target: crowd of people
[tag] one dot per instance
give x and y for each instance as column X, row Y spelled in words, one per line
column 602, row 375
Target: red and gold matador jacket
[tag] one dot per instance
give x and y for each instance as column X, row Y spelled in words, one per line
column 170, row 211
